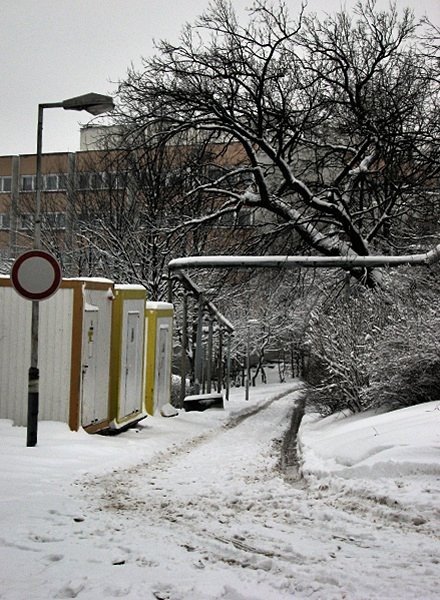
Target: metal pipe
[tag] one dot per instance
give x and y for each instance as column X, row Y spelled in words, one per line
column 248, row 364
column 220, row 360
column 348, row 261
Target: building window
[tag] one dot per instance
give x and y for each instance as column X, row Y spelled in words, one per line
column 83, row 181
column 244, row 218
column 54, row 182
column 226, row 220
column 4, row 221
column 26, row 221
column 98, row 181
column 117, row 181
column 55, row 220
column 5, row 184
column 27, row 183
column 51, row 183
column 62, row 181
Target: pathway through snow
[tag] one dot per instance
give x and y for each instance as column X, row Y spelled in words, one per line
column 215, row 518
column 226, row 524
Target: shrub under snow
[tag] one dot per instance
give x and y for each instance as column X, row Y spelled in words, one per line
column 376, row 348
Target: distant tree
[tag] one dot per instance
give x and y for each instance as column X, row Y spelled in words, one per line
column 269, row 310
column 337, row 119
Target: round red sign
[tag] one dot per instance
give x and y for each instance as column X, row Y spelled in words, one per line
column 36, row 275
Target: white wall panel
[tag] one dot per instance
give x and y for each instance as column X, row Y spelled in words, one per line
column 55, row 355
column 15, row 333
column 162, row 377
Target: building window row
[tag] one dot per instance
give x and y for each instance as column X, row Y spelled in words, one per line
column 52, row 182
column 100, row 181
column 25, row 221
column 243, row 218
column 54, row 220
column 55, row 182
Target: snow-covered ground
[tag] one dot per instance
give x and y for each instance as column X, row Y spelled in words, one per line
column 195, row 507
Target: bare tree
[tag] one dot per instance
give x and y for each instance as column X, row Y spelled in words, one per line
column 270, row 312
column 337, row 120
column 127, row 210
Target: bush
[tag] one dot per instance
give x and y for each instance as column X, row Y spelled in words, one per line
column 377, row 348
column 405, row 364
column 338, row 338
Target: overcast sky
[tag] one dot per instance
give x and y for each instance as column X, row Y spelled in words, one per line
column 56, row 49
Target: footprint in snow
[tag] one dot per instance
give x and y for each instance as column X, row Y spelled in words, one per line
column 71, row 589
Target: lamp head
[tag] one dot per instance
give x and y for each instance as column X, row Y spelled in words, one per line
column 95, row 104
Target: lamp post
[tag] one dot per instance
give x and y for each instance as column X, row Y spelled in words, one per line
column 95, row 104
column 248, row 356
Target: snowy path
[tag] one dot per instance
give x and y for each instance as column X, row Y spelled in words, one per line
column 214, row 518
column 227, row 525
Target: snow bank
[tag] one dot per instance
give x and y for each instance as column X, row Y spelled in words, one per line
column 348, row 445
column 393, row 456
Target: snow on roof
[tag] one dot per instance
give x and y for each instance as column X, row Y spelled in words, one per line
column 151, row 305
column 90, row 279
column 130, row 286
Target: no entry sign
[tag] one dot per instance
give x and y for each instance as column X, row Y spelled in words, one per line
column 36, row 275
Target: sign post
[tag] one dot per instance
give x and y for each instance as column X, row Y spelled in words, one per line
column 35, row 275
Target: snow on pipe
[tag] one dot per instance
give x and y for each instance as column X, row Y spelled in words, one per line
column 200, row 262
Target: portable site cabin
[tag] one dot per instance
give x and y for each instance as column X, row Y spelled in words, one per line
column 74, row 353
column 127, row 392
column 158, row 355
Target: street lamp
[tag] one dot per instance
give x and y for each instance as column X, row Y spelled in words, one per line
column 248, row 356
column 94, row 104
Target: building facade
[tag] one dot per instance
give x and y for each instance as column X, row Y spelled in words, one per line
column 76, row 189
column 64, row 175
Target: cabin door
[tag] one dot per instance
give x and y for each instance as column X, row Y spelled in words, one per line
column 89, row 391
column 163, row 358
column 132, row 369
